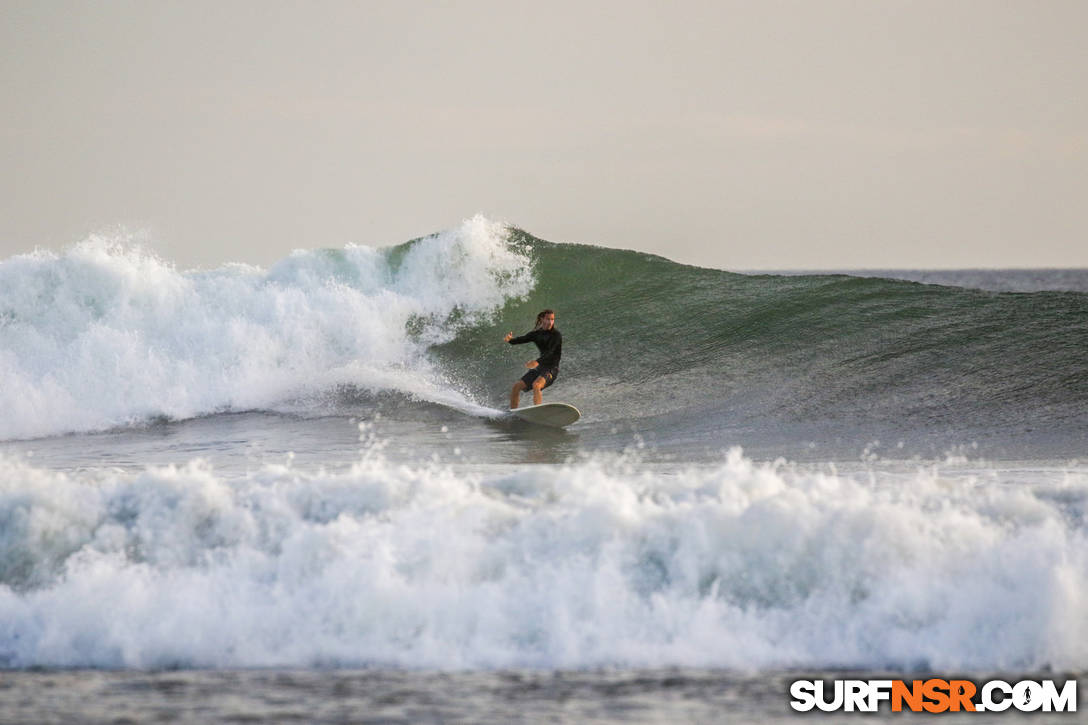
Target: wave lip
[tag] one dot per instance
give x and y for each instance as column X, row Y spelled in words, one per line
column 105, row 335
column 598, row 563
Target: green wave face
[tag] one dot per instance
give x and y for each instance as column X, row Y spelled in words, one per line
column 646, row 336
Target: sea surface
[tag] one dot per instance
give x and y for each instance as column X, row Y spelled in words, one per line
column 294, row 494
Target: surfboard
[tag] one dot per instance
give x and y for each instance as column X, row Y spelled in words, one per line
column 557, row 415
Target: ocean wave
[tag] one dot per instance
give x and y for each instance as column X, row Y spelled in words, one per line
column 604, row 561
column 647, row 336
column 107, row 335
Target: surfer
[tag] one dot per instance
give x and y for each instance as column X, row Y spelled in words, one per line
column 545, row 369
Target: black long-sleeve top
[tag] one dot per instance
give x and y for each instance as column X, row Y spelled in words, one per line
column 549, row 342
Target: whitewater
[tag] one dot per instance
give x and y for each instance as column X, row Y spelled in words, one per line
column 304, row 474
column 104, row 335
column 597, row 563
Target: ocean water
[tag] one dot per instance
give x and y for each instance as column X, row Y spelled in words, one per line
column 293, row 493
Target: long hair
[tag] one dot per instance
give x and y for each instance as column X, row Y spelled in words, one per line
column 540, row 319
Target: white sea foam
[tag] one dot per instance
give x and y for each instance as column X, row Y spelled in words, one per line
column 600, row 562
column 105, row 335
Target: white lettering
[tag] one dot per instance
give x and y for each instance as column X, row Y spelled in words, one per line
column 1065, row 701
column 879, row 690
column 988, row 701
column 994, row 696
column 804, row 695
column 835, row 703
column 1027, row 696
column 856, row 695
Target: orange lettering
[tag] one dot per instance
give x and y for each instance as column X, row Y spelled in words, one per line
column 961, row 693
column 912, row 695
column 937, row 692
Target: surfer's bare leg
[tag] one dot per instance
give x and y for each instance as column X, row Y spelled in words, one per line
column 515, row 394
column 538, row 386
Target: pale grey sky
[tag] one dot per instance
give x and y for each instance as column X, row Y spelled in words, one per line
column 740, row 135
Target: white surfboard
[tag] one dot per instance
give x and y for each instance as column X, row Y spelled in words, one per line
column 553, row 414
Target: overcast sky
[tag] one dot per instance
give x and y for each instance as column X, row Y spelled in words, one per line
column 739, row 135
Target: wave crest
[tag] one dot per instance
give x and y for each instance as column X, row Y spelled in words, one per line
column 107, row 334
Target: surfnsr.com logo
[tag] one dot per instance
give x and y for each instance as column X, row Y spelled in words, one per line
column 933, row 695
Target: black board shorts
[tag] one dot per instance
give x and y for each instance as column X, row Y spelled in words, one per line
column 550, row 374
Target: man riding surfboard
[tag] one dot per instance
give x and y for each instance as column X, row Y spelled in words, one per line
column 545, row 369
